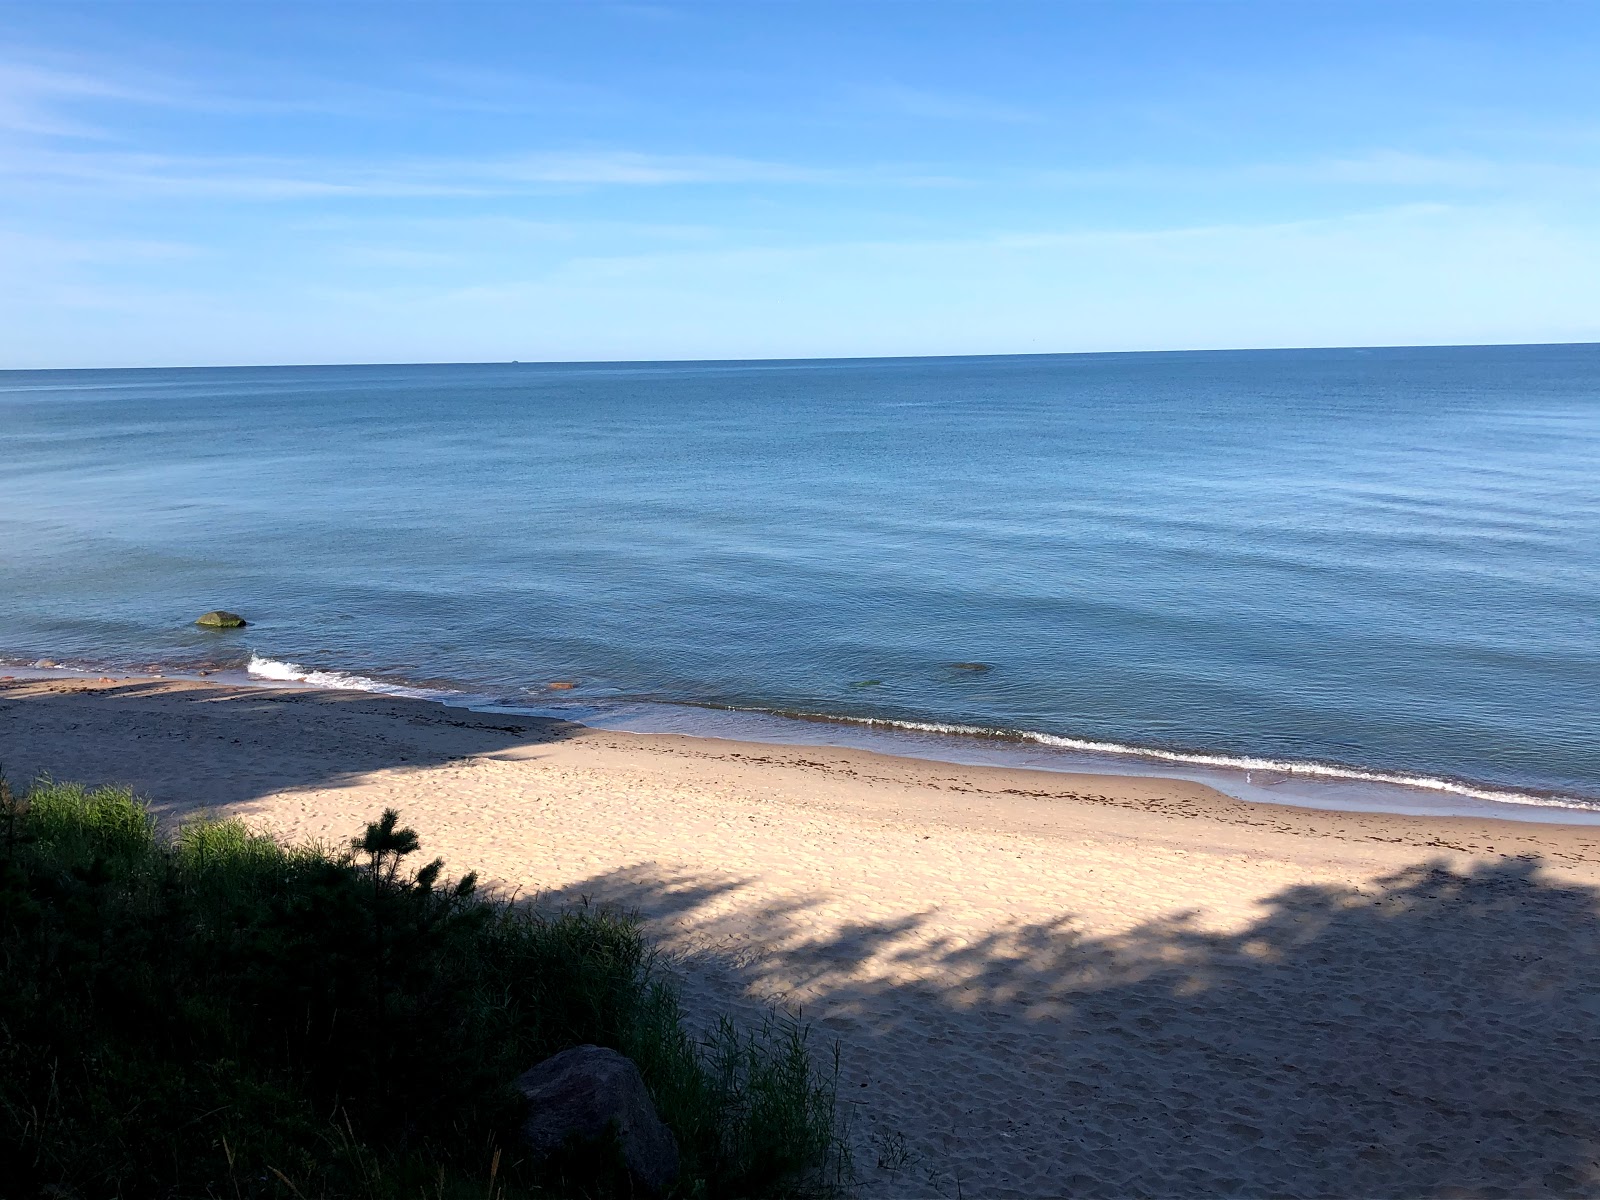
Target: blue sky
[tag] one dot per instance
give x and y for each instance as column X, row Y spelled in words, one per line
column 398, row 182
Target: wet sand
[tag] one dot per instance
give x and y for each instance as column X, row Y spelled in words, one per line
column 1041, row 984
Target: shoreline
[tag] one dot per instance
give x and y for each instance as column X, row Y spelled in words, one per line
column 1312, row 785
column 1011, row 785
column 1038, row 983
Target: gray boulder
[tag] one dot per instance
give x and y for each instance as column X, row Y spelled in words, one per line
column 583, row 1092
column 221, row 619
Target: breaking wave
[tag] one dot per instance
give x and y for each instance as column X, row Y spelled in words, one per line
column 260, row 667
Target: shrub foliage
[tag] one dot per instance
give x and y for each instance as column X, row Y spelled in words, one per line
column 217, row 1014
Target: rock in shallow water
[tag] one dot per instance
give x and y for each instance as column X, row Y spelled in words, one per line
column 583, row 1092
column 221, row 619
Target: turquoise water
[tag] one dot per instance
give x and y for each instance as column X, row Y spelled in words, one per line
column 1336, row 562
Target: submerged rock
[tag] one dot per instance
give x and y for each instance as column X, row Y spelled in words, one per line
column 970, row 666
column 221, row 619
column 585, row 1092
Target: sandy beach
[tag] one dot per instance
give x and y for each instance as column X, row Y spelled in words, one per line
column 1040, row 984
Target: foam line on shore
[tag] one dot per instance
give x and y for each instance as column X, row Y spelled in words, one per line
column 1228, row 762
column 261, row 668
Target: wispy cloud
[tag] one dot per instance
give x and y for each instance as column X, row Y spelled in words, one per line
column 653, row 169
column 269, row 179
column 36, row 99
column 47, row 94
column 499, row 229
column 30, row 248
column 1382, row 168
column 1174, row 240
column 1514, row 276
column 1109, row 287
column 1394, row 168
column 939, row 105
column 398, row 258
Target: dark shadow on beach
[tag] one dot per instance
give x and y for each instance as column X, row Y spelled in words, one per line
column 1432, row 1034
column 217, row 746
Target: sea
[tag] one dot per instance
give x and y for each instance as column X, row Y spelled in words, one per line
column 1357, row 578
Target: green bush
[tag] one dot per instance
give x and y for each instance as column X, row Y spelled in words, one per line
column 221, row 1015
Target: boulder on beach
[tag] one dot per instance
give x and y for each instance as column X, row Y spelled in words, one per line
column 588, row 1092
column 219, row 618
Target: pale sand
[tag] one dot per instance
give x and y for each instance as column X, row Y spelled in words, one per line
column 1047, row 984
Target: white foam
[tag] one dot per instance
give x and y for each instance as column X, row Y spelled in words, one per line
column 1311, row 768
column 260, row 667
column 269, row 668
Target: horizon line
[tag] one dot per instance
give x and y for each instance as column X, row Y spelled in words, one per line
column 579, row 362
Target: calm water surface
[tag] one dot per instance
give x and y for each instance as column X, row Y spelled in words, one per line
column 1381, row 561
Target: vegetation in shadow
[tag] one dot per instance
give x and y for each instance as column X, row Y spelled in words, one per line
column 217, row 1014
column 1428, row 1033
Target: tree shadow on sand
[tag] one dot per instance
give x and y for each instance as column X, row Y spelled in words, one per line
column 190, row 747
column 1430, row 1034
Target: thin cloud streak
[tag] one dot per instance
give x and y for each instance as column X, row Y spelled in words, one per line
column 1176, row 239
column 268, row 179
column 1377, row 168
column 940, row 105
column 275, row 179
column 1515, row 277
column 32, row 97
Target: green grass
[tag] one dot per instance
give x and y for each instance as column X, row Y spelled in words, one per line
column 217, row 1014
